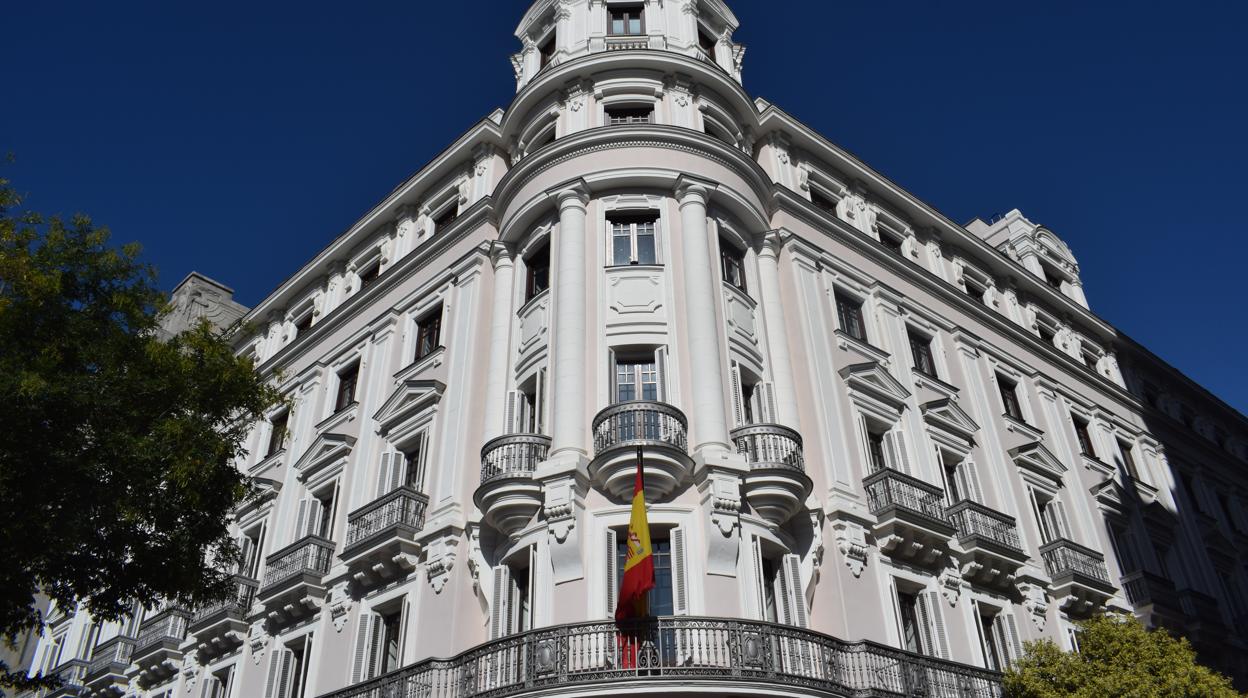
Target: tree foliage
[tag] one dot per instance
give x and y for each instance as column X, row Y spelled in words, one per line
column 118, row 447
column 1117, row 657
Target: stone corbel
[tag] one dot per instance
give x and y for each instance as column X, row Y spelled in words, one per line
column 190, row 672
column 720, row 491
column 340, row 603
column 1035, row 600
column 951, row 583
column 476, row 558
column 564, row 496
column 440, row 544
column 851, row 541
column 257, row 640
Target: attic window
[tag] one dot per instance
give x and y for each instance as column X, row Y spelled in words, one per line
column 369, row 274
column 707, row 43
column 891, row 242
column 629, row 115
column 446, row 217
column 822, row 201
column 547, row 51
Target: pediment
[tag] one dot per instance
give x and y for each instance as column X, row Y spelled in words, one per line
column 1035, row 457
column 947, row 415
column 872, row 379
column 326, row 450
column 407, row 400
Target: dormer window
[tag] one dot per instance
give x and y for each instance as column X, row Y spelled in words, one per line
column 892, row 242
column 304, row 324
column 617, row 116
column 626, row 20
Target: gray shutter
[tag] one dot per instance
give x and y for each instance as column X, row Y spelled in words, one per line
column 895, row 450
column 206, row 689
column 660, row 362
column 612, row 588
column 500, row 613
column 770, row 414
column 789, row 581
column 363, row 636
column 275, row 662
column 286, row 673
column 315, row 513
column 245, row 552
column 301, row 522
column 680, row 573
column 1011, row 631
column 756, row 555
column 738, row 411
column 511, row 417
column 383, row 474
column 925, row 625
column 938, row 625
column 375, row 647
column 1058, row 518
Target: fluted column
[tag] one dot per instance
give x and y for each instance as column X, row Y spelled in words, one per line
column 710, row 424
column 500, row 341
column 569, row 423
column 777, row 337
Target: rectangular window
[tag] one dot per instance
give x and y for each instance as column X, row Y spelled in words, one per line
column 1047, row 334
column 369, row 274
column 1128, row 461
column 822, row 201
column 732, row 263
column 446, row 218
column 277, row 433
column 1009, row 398
column 1124, row 548
column 391, row 638
column 538, row 277
column 617, row 116
column 303, row 324
column 1085, row 438
column 849, row 311
column 707, row 43
column 894, row 244
column 921, row 351
column 414, row 464
column 911, row 634
column 875, row 450
column 626, row 20
column 988, row 637
column 547, row 51
column 636, row 378
column 1049, row 516
column 1052, row 278
column 661, row 598
column 347, row 380
column 633, row 238
column 429, row 333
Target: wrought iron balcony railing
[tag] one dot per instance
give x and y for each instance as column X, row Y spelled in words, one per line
column 404, row 508
column 1064, row 557
column 308, row 555
column 237, row 604
column 1145, row 589
column 889, row 488
column 640, row 423
column 166, row 627
column 973, row 519
column 770, row 446
column 684, row 649
column 111, row 655
column 513, row 455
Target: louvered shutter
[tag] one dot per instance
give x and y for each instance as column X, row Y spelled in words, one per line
column 363, row 637
column 738, row 410
column 376, row 646
column 938, row 625
column 405, row 618
column 275, row 666
column 398, row 470
column 245, row 552
column 613, row 588
column 383, row 474
column 316, row 512
column 756, row 560
column 1057, row 518
column 925, row 625
column 513, row 408
column 660, row 363
column 680, row 573
column 500, row 614
column 1013, row 644
column 789, row 589
column 208, row 688
column 895, row 451
column 301, row 521
column 971, row 478
column 769, row 412
column 286, row 676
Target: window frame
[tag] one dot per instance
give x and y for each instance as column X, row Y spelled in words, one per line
column 1011, row 402
column 627, row 114
column 428, row 333
column 1083, row 437
column 537, row 266
column 617, row 9
column 850, row 308
column 278, row 436
column 633, row 219
column 732, row 260
column 346, row 392
column 921, row 349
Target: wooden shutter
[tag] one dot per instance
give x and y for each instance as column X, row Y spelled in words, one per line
column 1057, row 518
column 925, row 625
column 941, row 646
column 275, row 666
column 895, row 450
column 789, row 583
column 612, row 586
column 680, row 574
column 403, row 621
column 208, row 688
column 363, row 637
column 500, row 613
column 245, row 550
column 287, row 676
column 1014, row 647
column 398, row 470
column 315, row 513
column 375, row 647
column 383, row 474
column 738, row 410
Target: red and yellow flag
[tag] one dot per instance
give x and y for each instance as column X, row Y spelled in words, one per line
column 638, row 577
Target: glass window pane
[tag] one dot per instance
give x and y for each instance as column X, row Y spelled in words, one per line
column 634, row 25
column 622, row 244
column 645, row 244
column 617, row 25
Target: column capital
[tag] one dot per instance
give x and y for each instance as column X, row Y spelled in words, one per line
column 501, row 254
column 771, row 242
column 689, row 190
column 574, row 194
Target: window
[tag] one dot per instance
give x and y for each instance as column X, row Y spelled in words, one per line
column 633, row 238
column 389, row 655
column 1085, row 439
column 987, row 636
column 1128, row 461
column 1049, row 516
column 636, row 378
column 547, row 51
column 920, row 622
column 894, row 244
column 316, row 513
column 625, row 20
column 998, row 637
column 251, row 545
column 414, row 464
column 429, row 333
column 446, row 217
column 1052, row 278
column 707, row 43
column 1090, row 359
column 875, row 450
column 976, row 290
column 369, row 274
column 219, row 685
column 1047, row 334
column 661, row 601
column 1009, row 398
column 288, row 670
column 1124, row 548
column 277, row 433
column 961, row 481
column 629, row 115
column 767, row 568
column 849, row 311
column 717, row 131
column 732, row 262
column 303, row 324
column 348, row 378
column 921, row 351
column 907, row 606
column 513, row 604
column 822, row 201
column 538, row 273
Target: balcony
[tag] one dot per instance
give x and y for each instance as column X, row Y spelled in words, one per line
column 156, row 652
column 1080, row 578
column 1154, row 599
column 911, row 523
column 221, row 626
column 106, row 674
column 659, row 429
column 381, row 536
column 508, row 496
column 1204, row 624
column 991, row 550
column 293, row 579
column 627, row 43
column 693, row 653
column 71, row 675
column 777, row 485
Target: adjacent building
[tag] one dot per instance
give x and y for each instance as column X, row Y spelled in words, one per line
column 882, row 450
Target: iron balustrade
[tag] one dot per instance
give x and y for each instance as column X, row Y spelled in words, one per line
column 237, row 603
column 167, row 626
column 1199, row 606
column 403, row 507
column 683, row 649
column 114, row 652
column 887, row 487
column 1063, row 557
column 308, row 555
column 975, row 519
column 770, row 446
column 513, row 455
column 640, row 423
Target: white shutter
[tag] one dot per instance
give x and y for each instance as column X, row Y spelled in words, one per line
column 376, row 646
column 208, row 688
column 383, row 474
column 245, row 552
column 1014, row 646
column 612, row 587
column 769, row 412
column 971, row 480
column 895, row 450
column 756, row 559
column 515, row 401
column 500, row 613
column 925, row 625
column 738, row 410
column 680, row 574
column 660, row 364
column 398, row 470
column 938, row 625
column 363, row 637
column 315, row 513
column 301, row 522
column 789, row 583
column 275, row 665
column 407, row 614
column 287, row 675
column 1057, row 517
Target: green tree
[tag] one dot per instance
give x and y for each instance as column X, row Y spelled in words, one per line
column 117, row 446
column 1117, row 657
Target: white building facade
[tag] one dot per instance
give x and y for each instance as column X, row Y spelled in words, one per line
column 881, row 450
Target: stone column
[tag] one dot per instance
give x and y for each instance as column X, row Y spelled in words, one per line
column 707, row 404
column 777, row 337
column 569, row 422
column 500, row 341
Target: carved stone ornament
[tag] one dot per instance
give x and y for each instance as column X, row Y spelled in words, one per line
column 257, row 640
column 190, row 671
column 951, row 584
column 1035, row 601
column 851, row 540
column 440, row 560
column 340, row 603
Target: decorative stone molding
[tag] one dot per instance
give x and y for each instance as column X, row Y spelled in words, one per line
column 951, row 583
column 720, row 492
column 1035, row 601
column 257, row 640
column 851, row 540
column 190, row 671
column 340, row 603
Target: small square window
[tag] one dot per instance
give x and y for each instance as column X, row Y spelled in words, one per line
column 617, row 116
column 894, row 244
column 348, row 379
column 446, row 217
column 304, row 324
column 626, row 20
column 822, row 201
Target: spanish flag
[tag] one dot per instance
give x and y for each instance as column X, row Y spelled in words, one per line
column 638, row 577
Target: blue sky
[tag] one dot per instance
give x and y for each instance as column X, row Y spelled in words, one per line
column 237, row 138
